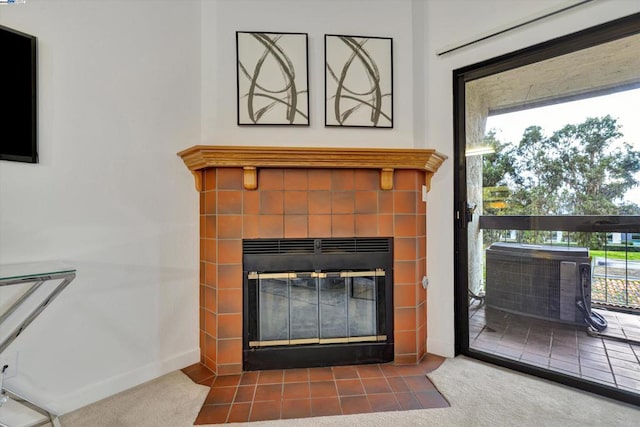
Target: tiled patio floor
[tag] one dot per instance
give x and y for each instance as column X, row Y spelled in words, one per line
column 303, row 393
column 562, row 348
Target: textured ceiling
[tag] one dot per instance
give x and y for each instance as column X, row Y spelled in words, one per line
column 605, row 68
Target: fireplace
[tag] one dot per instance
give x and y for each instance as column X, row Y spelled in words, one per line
column 320, row 198
column 317, row 302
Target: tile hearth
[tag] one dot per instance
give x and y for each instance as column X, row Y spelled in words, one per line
column 312, row 392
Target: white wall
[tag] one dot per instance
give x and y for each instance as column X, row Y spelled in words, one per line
column 124, row 85
column 220, row 21
column 119, row 96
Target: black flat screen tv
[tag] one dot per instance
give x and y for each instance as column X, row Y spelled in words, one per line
column 18, row 96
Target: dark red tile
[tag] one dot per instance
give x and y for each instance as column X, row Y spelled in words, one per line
column 431, row 399
column 296, row 391
column 209, row 179
column 229, row 227
column 367, row 179
column 344, row 372
column 213, row 414
column 239, row 413
column 343, row 202
column 261, row 411
column 249, row 378
column 192, row 368
column 418, row 383
column 355, row 405
column 295, row 179
column 270, row 377
column 320, row 374
column 296, row 375
column 366, row 202
column 227, row 381
column 296, row 226
column 198, row 373
column 407, row 401
column 271, row 226
column 406, row 180
column 229, row 178
column 245, row 393
column 300, row 408
column 342, row 179
column 220, row 395
column 207, row 381
column 320, row 225
column 229, row 202
column 319, row 179
column 325, row 406
column 296, row 202
column 376, row 385
column 271, row 179
column 271, row 202
column 390, row 370
column 397, row 384
column 323, row 389
column 383, row 402
column 342, row 225
column 349, row 387
column 268, row 392
column 319, row 202
column 369, row 371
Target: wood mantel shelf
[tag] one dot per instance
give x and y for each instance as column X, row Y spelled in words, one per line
column 250, row 158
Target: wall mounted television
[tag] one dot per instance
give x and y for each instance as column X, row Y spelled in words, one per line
column 18, row 96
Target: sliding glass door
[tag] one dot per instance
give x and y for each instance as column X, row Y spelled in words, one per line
column 548, row 211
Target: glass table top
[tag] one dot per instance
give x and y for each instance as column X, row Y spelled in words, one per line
column 33, row 269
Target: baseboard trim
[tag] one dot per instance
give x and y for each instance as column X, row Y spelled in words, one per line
column 116, row 384
column 440, row 348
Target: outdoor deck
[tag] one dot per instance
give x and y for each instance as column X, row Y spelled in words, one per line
column 562, row 348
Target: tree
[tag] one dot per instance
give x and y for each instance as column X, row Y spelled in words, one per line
column 494, row 165
column 583, row 169
column 598, row 167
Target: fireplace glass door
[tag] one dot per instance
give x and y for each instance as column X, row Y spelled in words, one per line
column 317, row 307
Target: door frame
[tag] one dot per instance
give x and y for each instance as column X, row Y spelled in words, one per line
column 590, row 37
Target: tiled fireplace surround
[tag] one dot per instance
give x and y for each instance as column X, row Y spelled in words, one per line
column 258, row 192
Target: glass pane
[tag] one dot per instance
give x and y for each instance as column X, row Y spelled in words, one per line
column 304, row 307
column 333, row 307
column 274, row 309
column 547, row 143
column 362, row 306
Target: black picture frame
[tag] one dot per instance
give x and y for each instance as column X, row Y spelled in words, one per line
column 358, row 81
column 272, row 78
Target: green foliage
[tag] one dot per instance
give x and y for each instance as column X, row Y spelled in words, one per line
column 630, row 254
column 582, row 169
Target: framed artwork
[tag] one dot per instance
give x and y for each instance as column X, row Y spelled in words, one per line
column 358, row 81
column 273, row 78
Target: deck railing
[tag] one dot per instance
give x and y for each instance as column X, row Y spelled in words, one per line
column 615, row 280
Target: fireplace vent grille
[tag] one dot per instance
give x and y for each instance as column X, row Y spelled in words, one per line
column 315, row 246
column 355, row 245
column 278, row 246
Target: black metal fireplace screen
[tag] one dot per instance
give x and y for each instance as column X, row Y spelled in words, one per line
column 317, row 302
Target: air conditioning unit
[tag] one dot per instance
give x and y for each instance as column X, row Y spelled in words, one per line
column 546, row 282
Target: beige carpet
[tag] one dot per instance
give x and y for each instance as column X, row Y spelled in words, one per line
column 172, row 400
column 480, row 395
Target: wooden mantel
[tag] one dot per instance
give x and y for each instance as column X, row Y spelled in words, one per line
column 250, row 158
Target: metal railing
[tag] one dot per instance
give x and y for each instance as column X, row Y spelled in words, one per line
column 615, row 253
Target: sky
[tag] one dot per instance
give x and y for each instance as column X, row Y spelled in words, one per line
column 623, row 106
